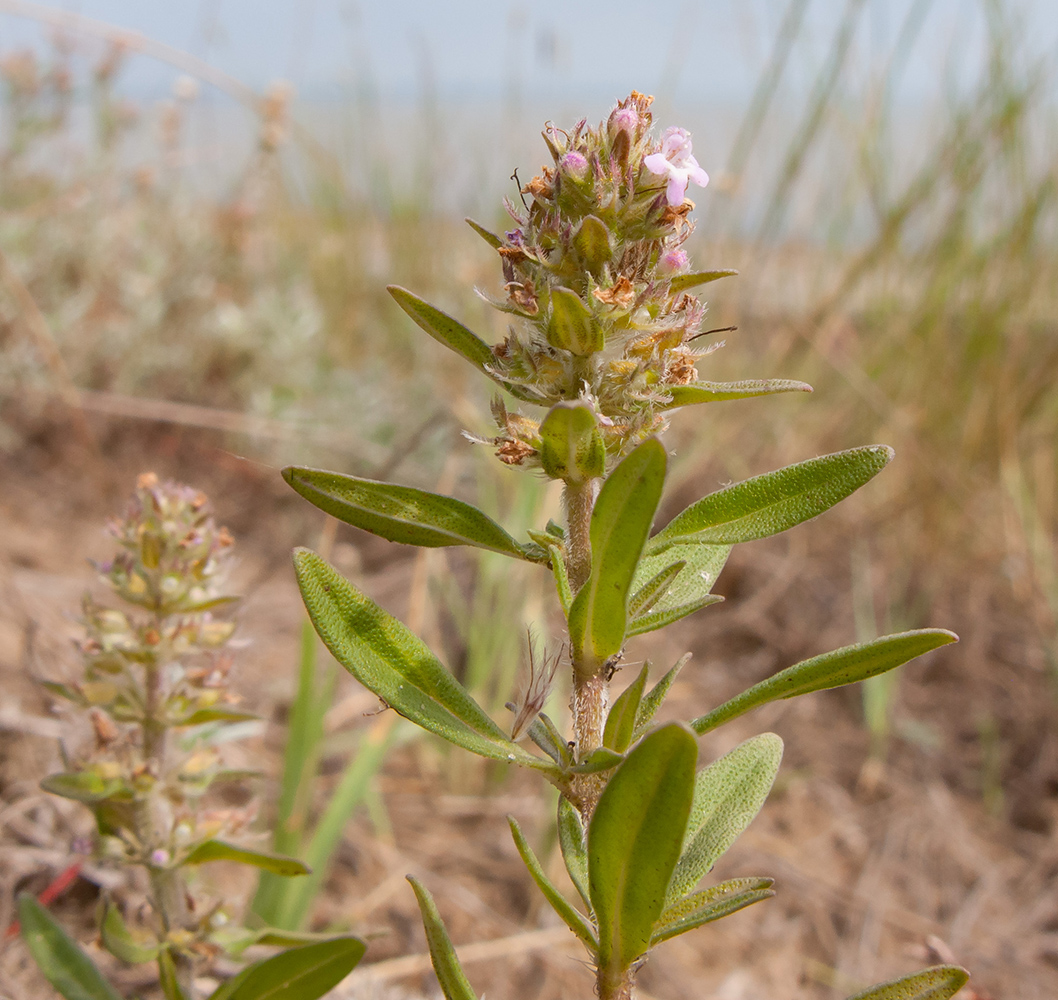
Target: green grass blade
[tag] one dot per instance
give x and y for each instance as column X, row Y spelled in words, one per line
column 401, row 513
column 937, row 983
column 634, row 841
column 768, row 504
column 719, row 392
column 572, row 918
column 620, row 524
column 829, row 670
column 446, row 965
column 58, row 956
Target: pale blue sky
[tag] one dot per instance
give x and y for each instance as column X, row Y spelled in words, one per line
column 704, row 51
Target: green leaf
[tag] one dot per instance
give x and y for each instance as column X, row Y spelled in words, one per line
column 709, row 905
column 717, row 392
column 121, row 942
column 766, row 505
column 937, row 983
column 303, row 973
column 446, row 965
column 573, row 328
column 58, row 956
column 829, row 670
column 681, row 282
column 651, row 702
column 571, row 447
column 396, row 665
column 572, row 919
column 620, row 524
column 450, row 332
column 621, row 720
column 600, row 759
column 66, row 691
column 84, row 786
column 218, row 850
column 544, row 733
column 659, row 619
column 491, row 238
column 167, row 977
column 558, row 567
column 401, row 513
column 592, row 241
column 653, row 590
column 703, row 564
column 634, row 841
column 217, row 713
column 727, row 795
column 574, row 850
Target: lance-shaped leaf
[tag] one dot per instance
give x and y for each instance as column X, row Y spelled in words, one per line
column 702, row 565
column 659, row 619
column 571, row 447
column 621, row 720
column 634, row 841
column 572, row 919
column 766, row 505
column 544, row 733
column 937, row 983
column 558, row 568
column 710, row 904
column 719, row 392
column 167, row 977
column 58, row 956
column 218, row 850
column 681, row 282
column 653, row 699
column 401, row 513
column 397, row 666
column 443, row 956
column 573, row 328
column 620, row 524
column 829, row 670
column 574, row 849
column 120, row 941
column 450, row 332
column 727, row 795
column 489, row 237
column 653, row 590
column 84, row 786
column 302, row 973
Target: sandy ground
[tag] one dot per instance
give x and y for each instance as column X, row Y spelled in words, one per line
column 880, row 866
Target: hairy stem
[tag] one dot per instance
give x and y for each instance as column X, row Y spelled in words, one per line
column 579, row 500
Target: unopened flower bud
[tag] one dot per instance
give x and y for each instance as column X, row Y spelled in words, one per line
column 673, row 261
column 574, row 165
column 624, row 119
column 160, row 857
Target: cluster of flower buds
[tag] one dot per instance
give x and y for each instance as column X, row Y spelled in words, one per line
column 150, row 673
column 596, row 271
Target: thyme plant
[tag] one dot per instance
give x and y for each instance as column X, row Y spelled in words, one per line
column 156, row 691
column 605, row 342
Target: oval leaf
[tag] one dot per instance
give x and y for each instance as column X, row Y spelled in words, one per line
column 571, row 447
column 593, row 242
column 572, row 919
column 573, row 328
column 443, row 956
column 938, row 983
column 718, row 392
column 634, row 841
column 397, row 666
column 681, row 282
column 450, row 332
column 303, row 973
column 218, row 850
column 84, row 786
column 58, row 956
column 710, row 904
column 727, row 795
column 121, row 942
column 401, row 513
column 620, row 524
column 829, row 670
column 766, row 505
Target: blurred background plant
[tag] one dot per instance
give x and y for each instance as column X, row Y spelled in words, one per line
column 215, row 259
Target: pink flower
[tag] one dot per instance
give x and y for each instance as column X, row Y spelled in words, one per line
column 673, row 261
column 575, row 164
column 676, row 162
